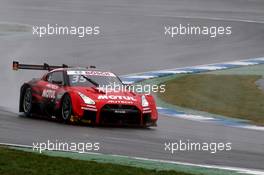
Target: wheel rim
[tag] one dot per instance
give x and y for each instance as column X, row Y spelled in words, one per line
column 66, row 108
column 27, row 103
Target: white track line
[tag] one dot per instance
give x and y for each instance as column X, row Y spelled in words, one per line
column 235, row 169
column 241, row 63
column 211, row 18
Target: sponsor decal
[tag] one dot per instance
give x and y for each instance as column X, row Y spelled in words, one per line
column 116, row 97
column 48, row 93
column 52, row 86
column 119, row 102
column 92, row 73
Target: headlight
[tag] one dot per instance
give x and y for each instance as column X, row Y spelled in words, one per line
column 86, row 99
column 144, row 101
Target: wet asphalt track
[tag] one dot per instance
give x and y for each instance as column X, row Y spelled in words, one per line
column 132, row 40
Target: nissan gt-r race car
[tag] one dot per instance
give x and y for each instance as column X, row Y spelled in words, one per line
column 76, row 95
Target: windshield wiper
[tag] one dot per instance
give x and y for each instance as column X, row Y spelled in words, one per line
column 91, row 81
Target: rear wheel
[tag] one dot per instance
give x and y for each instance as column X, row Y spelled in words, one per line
column 27, row 102
column 66, row 109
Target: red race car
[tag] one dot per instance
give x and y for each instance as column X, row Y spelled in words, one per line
column 83, row 94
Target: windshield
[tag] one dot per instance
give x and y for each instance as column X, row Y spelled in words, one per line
column 93, row 78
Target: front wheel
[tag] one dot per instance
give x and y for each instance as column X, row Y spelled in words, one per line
column 66, row 109
column 27, row 102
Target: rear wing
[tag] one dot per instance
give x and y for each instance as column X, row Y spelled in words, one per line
column 45, row 66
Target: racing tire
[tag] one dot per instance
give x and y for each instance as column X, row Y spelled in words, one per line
column 27, row 103
column 66, row 109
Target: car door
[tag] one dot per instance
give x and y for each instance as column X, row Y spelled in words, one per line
column 55, row 82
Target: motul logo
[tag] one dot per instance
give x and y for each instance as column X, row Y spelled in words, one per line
column 116, row 97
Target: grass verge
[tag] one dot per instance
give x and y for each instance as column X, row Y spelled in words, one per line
column 14, row 162
column 234, row 96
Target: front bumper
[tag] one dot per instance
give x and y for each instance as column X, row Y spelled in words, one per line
column 121, row 115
